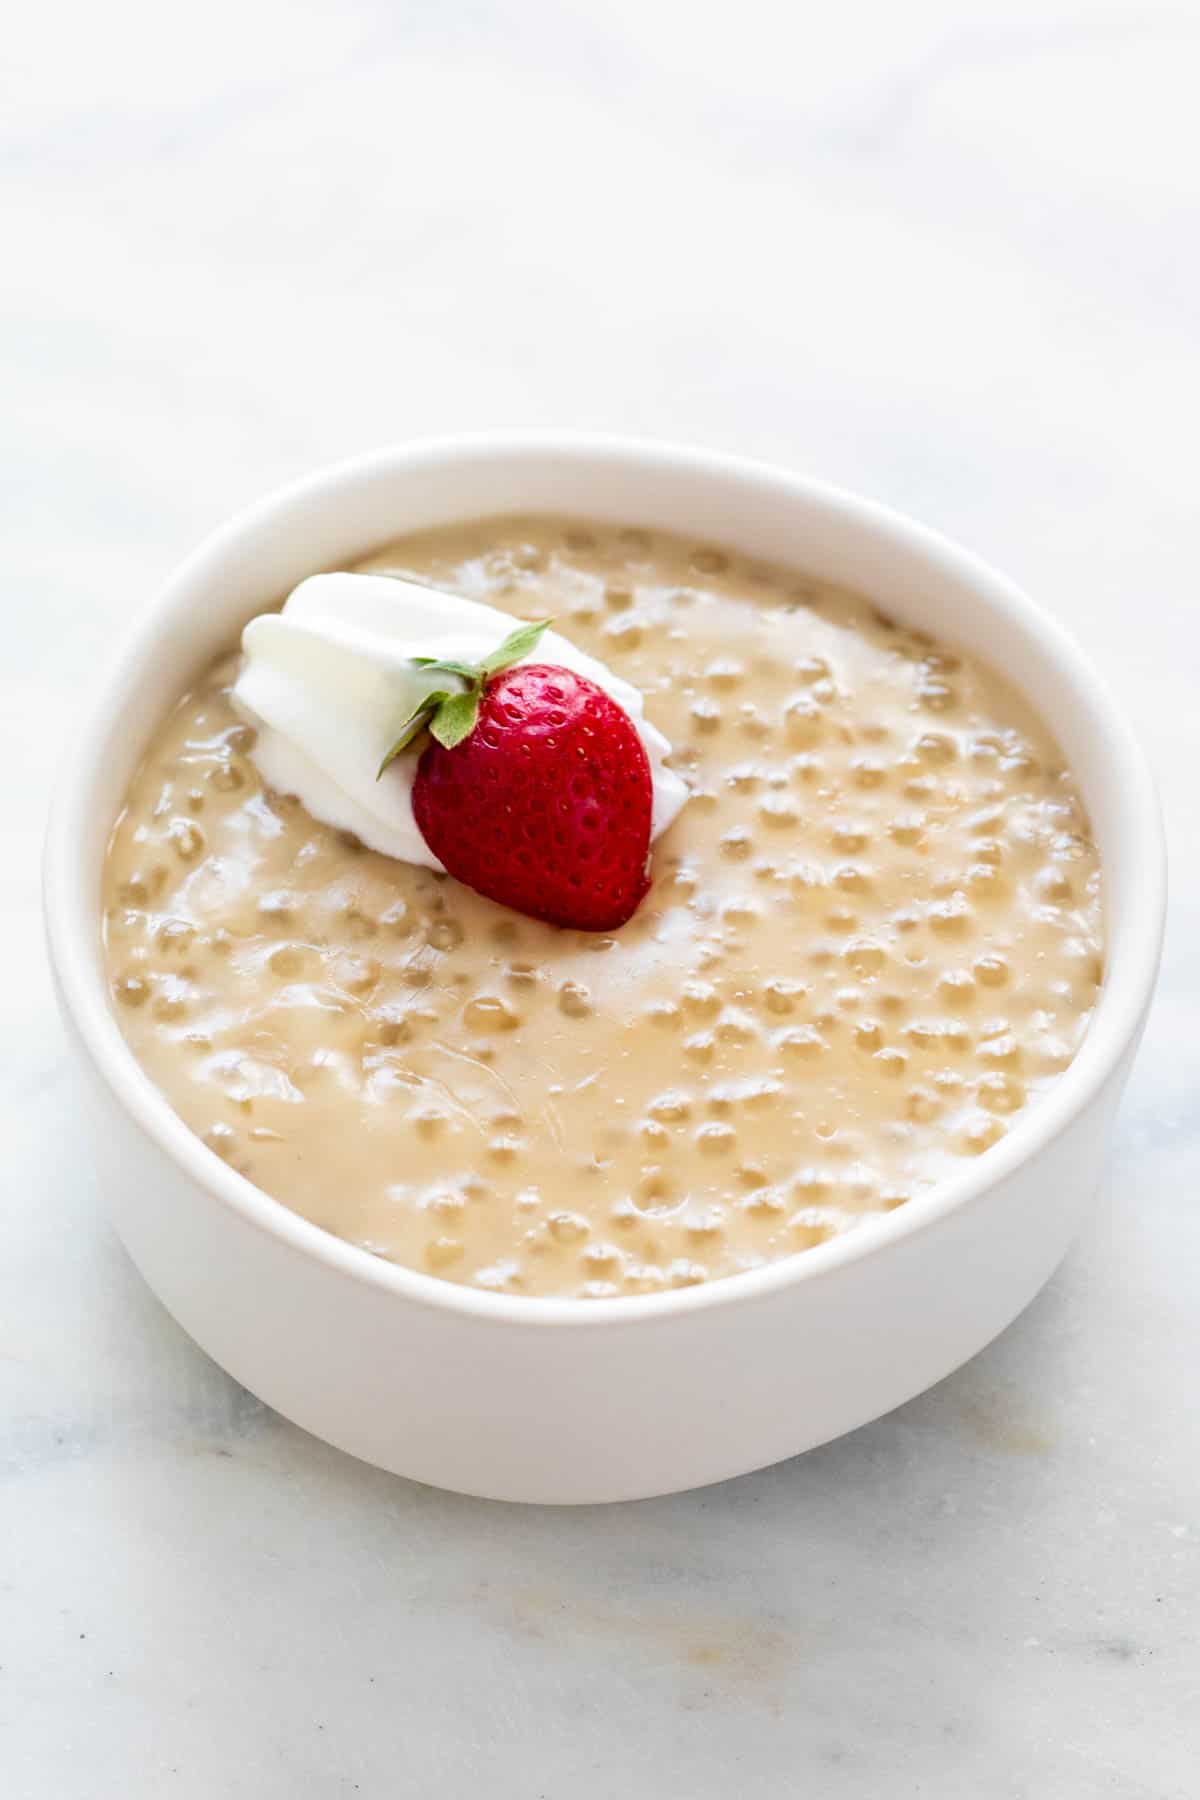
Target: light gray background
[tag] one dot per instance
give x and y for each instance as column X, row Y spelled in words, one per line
column 943, row 254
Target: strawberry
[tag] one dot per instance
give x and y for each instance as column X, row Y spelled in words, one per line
column 535, row 788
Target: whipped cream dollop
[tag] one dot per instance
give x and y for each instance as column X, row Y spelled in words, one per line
column 328, row 683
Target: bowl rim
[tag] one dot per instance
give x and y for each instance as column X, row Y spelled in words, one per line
column 1114, row 1027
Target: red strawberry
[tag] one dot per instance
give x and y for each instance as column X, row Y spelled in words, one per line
column 535, row 789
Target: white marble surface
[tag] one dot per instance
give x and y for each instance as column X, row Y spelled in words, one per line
column 942, row 253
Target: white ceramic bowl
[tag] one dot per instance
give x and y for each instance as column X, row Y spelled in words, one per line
column 563, row 1400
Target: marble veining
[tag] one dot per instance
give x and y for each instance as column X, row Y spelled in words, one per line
column 943, row 254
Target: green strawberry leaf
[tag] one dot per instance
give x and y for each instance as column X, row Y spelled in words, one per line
column 517, row 644
column 413, row 726
column 455, row 718
column 445, row 666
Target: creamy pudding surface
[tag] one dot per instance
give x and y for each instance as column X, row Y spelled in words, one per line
column 874, row 936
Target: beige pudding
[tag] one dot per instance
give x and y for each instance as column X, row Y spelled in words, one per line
column 874, row 936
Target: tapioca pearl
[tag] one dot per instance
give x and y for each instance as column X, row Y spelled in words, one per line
column 171, row 999
column 574, row 999
column 644, row 1278
column 891, row 1063
column 751, row 722
column 765, row 1205
column 808, row 770
column 716, row 1139
column 909, row 830
column 396, row 919
column 745, row 778
column 848, row 837
column 703, row 800
column 865, row 958
column 736, row 845
column 489, row 1012
column 811, row 669
column 979, row 1133
column 705, row 714
column 288, row 960
column 358, row 925
column 664, row 1013
column 1049, row 1054
column 868, row 1035
column 445, row 1205
column 443, row 1251
column 228, row 775
column 1053, row 885
column 175, row 936
column 709, row 562
column 387, row 1026
column 935, row 695
column 740, row 911
column 599, row 1258
column 853, row 878
column 956, row 988
column 803, row 721
column 920, row 788
column 1001, row 1051
column 240, row 737
column 812, row 1186
column 131, row 990
column 951, row 918
column 505, row 1149
column 357, row 975
column 625, row 631
column 699, row 1048
column 430, row 1122
column 991, row 971
column 682, row 1273
column 778, row 812
column 725, row 673
column 222, row 1140
column 654, row 1136
column 736, row 1027
column 186, row 839
column 807, row 1229
column 780, row 996
column 683, row 881
column 922, row 1106
column 868, row 772
column 984, row 881
column 800, row 1043
column 848, row 999
column 933, row 1035
column 1001, row 1093
column 935, row 747
column 444, row 934
column 841, row 921
column 618, row 596
column 700, row 998
column 503, row 1277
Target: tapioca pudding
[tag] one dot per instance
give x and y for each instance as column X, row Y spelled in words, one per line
column 873, row 937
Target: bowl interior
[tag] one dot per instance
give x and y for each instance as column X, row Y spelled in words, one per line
column 343, row 513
